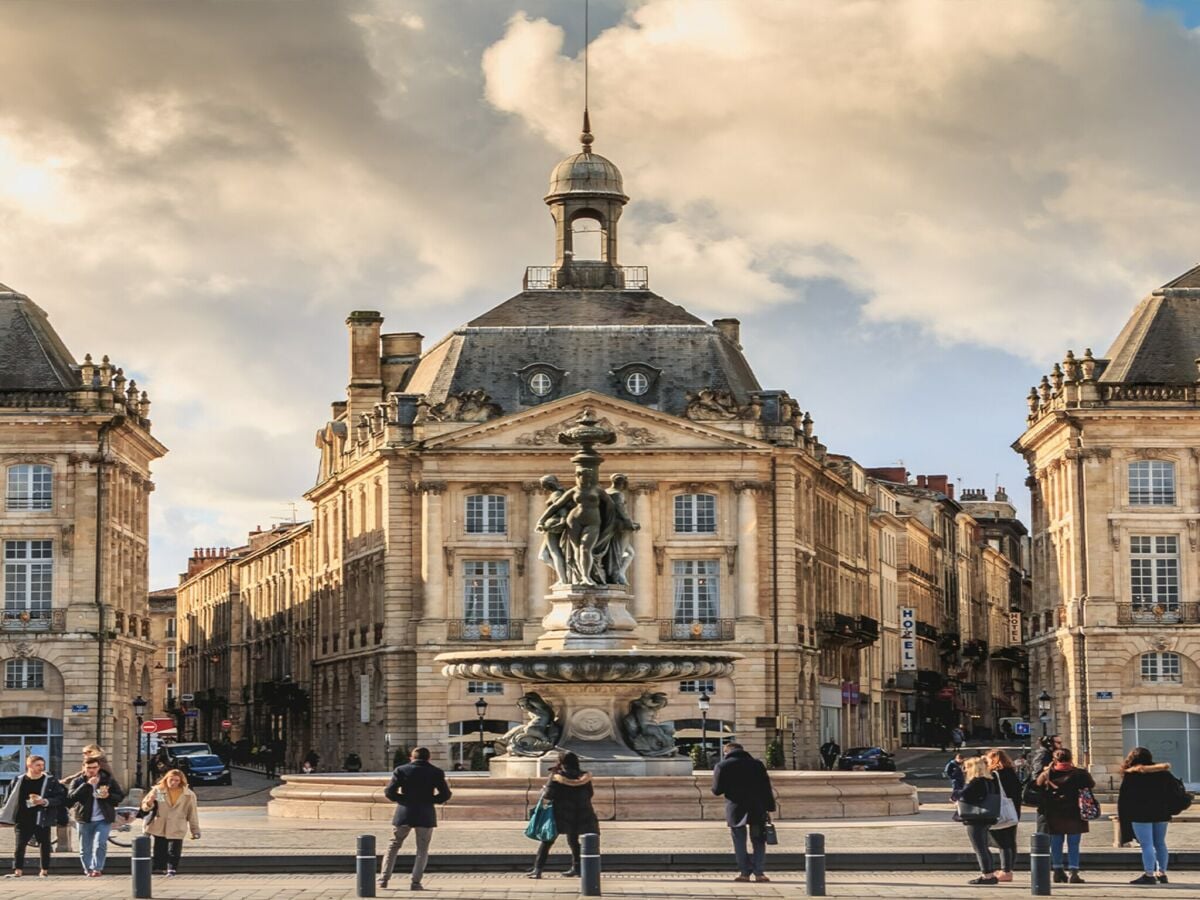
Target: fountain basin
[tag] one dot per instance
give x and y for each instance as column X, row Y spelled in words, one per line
column 587, row 666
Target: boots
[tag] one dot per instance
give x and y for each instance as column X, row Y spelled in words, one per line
column 1060, row 876
column 535, row 872
column 1075, row 879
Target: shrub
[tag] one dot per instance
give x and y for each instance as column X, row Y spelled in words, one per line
column 700, row 760
column 775, row 759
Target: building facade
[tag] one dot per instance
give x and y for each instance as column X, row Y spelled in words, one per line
column 164, row 633
column 1114, row 638
column 75, row 638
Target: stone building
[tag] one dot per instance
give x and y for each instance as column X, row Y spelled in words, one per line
column 75, row 639
column 1115, row 485
column 887, row 538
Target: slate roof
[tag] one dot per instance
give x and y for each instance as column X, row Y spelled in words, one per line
column 1161, row 341
column 32, row 356
column 588, row 336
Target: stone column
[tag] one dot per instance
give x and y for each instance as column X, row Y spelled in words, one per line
column 537, row 572
column 644, row 580
column 433, row 563
column 747, row 549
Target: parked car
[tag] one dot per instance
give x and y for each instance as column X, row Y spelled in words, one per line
column 188, row 749
column 872, row 759
column 205, row 768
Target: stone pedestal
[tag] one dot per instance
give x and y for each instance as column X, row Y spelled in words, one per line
column 588, row 618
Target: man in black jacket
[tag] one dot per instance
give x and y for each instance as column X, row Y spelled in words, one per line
column 746, row 786
column 415, row 789
column 93, row 797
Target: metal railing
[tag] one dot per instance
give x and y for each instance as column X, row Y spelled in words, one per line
column 710, row 630
column 1158, row 613
column 33, row 620
column 495, row 630
column 588, row 275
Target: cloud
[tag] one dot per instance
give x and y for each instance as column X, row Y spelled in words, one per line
column 974, row 168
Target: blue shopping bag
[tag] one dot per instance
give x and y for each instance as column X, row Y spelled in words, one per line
column 541, row 825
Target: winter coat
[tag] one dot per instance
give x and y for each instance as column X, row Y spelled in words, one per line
column 174, row 822
column 1010, row 783
column 52, row 790
column 80, row 795
column 958, row 781
column 416, row 788
column 572, row 799
column 1146, row 794
column 746, row 786
column 977, row 789
column 1060, row 803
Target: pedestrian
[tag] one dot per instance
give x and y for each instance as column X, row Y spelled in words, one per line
column 172, row 815
column 352, row 762
column 1061, row 784
column 31, row 807
column 93, row 797
column 957, row 737
column 415, row 788
column 1149, row 797
column 749, row 801
column 830, row 751
column 1003, row 833
column 980, row 782
column 313, row 759
column 953, row 771
column 569, row 793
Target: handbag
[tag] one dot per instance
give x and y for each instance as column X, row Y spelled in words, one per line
column 986, row 810
column 769, row 834
column 1008, row 813
column 1179, row 799
column 1089, row 806
column 541, row 825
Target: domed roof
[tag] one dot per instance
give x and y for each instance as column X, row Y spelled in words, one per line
column 586, row 173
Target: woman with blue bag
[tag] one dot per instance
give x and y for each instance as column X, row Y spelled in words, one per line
column 565, row 807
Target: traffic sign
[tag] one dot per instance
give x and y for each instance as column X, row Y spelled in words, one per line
column 1021, row 729
column 150, row 727
column 226, row 724
column 192, row 713
column 187, row 698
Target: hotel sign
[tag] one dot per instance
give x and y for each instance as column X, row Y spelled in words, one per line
column 1014, row 629
column 908, row 638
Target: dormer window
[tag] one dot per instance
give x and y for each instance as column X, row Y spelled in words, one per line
column 541, row 384
column 540, row 381
column 637, row 383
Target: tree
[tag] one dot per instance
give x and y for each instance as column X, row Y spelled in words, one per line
column 700, row 760
column 775, row 758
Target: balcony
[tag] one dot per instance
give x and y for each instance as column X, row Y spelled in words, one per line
column 1015, row 655
column 495, row 630
column 868, row 630
column 838, row 628
column 591, row 275
column 31, row 620
column 712, row 630
column 1158, row 614
column 975, row 649
column 948, row 643
column 925, row 630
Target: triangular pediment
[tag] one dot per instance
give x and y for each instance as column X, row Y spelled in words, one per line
column 637, row 428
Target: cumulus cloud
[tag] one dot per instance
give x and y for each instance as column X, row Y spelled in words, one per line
column 999, row 173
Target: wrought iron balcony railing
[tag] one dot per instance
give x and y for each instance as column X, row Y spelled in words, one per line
column 494, row 630
column 710, row 630
column 1158, row 613
column 586, row 274
column 33, row 620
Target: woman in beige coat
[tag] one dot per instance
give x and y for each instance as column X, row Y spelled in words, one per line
column 175, row 814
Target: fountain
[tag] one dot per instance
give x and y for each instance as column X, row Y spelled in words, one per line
column 590, row 688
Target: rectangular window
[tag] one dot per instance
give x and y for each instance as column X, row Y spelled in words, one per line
column 171, row 627
column 1151, row 483
column 1154, row 572
column 698, row 686
column 172, row 659
column 695, row 514
column 697, row 598
column 29, row 487
column 28, row 578
column 485, row 687
column 486, row 514
column 1161, row 667
column 485, row 598
column 24, row 675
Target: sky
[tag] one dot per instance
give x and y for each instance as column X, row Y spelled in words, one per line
column 914, row 206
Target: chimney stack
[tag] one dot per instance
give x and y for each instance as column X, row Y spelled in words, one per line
column 366, row 375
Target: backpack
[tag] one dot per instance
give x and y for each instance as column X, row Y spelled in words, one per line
column 1178, row 797
column 1089, row 806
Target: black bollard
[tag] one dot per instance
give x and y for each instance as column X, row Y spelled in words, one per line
column 589, row 865
column 1039, row 864
column 139, row 867
column 364, row 865
column 814, row 865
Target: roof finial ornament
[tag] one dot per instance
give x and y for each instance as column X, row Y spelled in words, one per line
column 586, row 137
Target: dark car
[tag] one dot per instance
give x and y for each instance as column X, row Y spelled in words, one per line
column 205, row 769
column 871, row 759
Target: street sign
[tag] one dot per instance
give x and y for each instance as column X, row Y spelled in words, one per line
column 226, row 724
column 1104, row 695
column 79, row 707
column 187, row 698
column 192, row 713
column 1021, row 729
column 1044, row 719
column 150, row 727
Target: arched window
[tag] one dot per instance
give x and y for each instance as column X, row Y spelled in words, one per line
column 587, row 239
column 1151, row 483
column 486, row 514
column 695, row 514
column 1161, row 667
column 29, row 487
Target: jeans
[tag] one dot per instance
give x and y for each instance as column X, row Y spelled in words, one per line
column 977, row 834
column 1006, row 840
column 758, row 841
column 1153, row 838
column 93, row 845
column 1056, row 851
column 399, row 833
column 24, row 833
column 166, row 853
column 544, row 852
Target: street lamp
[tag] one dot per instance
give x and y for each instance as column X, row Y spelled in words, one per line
column 704, row 702
column 481, row 706
column 139, row 710
column 1044, row 709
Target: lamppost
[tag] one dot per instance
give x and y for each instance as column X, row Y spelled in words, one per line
column 139, row 710
column 481, row 706
column 704, row 702
column 1044, row 709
